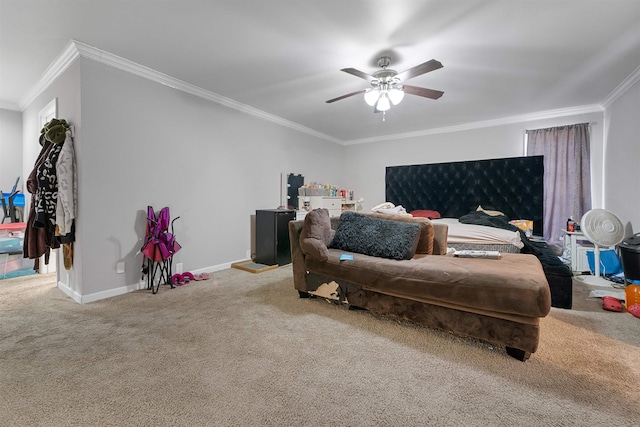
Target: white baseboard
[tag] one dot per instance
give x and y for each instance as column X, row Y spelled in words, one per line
column 215, row 268
column 96, row 296
column 70, row 292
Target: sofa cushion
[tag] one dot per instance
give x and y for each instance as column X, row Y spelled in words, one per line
column 378, row 237
column 514, row 285
column 427, row 231
column 316, row 234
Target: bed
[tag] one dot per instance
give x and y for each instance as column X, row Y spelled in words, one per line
column 479, row 237
column 455, row 191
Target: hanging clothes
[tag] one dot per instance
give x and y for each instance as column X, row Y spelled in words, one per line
column 67, row 200
column 47, row 191
column 43, row 186
column 36, row 240
column 67, row 188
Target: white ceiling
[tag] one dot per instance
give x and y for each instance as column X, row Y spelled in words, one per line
column 502, row 58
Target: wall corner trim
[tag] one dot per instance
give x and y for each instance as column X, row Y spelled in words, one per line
column 57, row 67
column 632, row 79
column 74, row 295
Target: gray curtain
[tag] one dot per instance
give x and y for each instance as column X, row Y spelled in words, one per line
column 567, row 176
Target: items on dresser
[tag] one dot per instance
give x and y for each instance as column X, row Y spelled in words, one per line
column 332, row 203
column 319, row 196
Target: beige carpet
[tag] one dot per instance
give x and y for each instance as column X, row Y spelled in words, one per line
column 242, row 349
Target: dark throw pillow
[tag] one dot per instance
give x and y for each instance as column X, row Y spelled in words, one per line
column 426, row 235
column 316, row 234
column 376, row 236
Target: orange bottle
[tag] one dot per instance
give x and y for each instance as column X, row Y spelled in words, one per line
column 632, row 295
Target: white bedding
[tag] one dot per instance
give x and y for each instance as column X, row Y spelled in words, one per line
column 479, row 234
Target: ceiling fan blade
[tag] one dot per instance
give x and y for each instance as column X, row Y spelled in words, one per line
column 420, row 69
column 422, row 91
column 358, row 73
column 345, row 96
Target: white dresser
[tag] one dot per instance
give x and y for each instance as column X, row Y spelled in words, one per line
column 332, row 203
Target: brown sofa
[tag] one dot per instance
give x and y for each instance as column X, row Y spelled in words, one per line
column 499, row 301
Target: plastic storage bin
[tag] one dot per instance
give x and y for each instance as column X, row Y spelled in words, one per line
column 630, row 257
column 13, row 229
column 12, row 237
column 11, row 244
column 15, row 265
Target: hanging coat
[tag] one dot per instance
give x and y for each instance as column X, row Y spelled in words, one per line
column 37, row 241
column 47, row 191
column 67, row 192
column 43, row 186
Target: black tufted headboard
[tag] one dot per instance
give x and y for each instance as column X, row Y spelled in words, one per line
column 512, row 185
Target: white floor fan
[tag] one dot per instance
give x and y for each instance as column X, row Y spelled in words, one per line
column 604, row 229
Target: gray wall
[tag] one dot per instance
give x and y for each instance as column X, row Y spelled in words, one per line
column 10, row 149
column 622, row 159
column 139, row 142
column 615, row 155
column 368, row 161
column 144, row 143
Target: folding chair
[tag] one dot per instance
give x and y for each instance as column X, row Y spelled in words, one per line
column 8, row 208
column 158, row 249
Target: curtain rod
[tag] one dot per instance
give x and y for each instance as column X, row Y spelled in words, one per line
column 563, row 126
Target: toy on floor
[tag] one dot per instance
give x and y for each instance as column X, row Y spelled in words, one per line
column 612, row 304
column 634, row 310
column 180, row 279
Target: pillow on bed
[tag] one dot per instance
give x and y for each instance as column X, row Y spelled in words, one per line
column 316, row 234
column 369, row 235
column 427, row 232
column 425, row 214
column 489, row 212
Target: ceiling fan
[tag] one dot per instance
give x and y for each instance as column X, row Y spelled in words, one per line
column 387, row 85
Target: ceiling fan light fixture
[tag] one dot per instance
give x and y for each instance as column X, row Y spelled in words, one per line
column 383, row 103
column 396, row 96
column 371, row 96
column 387, row 86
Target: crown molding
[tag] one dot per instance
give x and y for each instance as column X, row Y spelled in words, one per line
column 55, row 69
column 632, row 79
column 543, row 115
column 9, row 106
column 77, row 49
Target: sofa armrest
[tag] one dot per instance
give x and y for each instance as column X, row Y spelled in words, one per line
column 335, row 222
column 440, row 238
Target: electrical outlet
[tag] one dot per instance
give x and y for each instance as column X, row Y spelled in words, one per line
column 179, row 268
column 120, row 267
column 248, row 254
